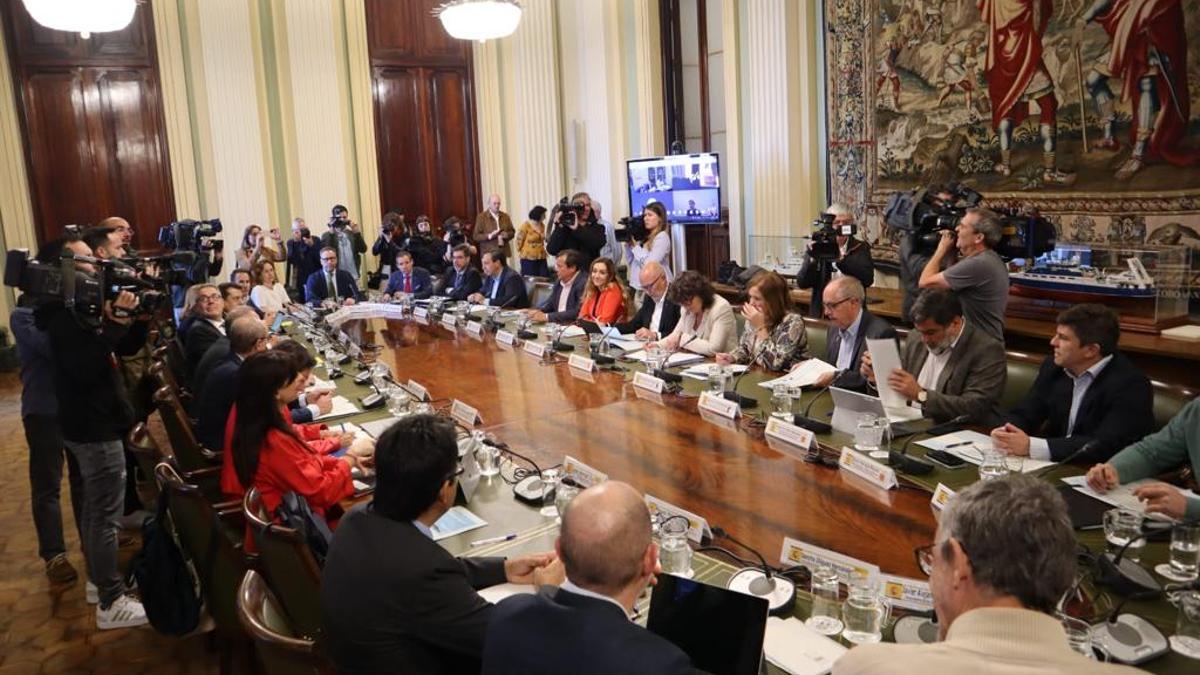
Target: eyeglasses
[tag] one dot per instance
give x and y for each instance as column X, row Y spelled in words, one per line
column 456, row 474
column 208, row 298
column 834, row 305
column 328, row 259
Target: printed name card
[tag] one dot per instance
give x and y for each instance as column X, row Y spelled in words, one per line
column 788, row 433
column 448, row 322
column 698, row 527
column 647, row 381
column 506, row 338
column 941, row 497
column 422, row 320
column 464, row 413
column 796, row 552
column 536, row 348
column 581, row 362
column 718, row 405
column 582, row 473
column 907, row 593
column 420, row 313
column 868, row 469
column 418, row 390
column 474, row 328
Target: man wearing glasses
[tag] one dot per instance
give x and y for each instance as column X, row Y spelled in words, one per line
column 657, row 316
column 1003, row 555
column 851, row 325
column 330, row 283
column 205, row 325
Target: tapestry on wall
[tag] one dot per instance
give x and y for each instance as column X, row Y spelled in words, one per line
column 1084, row 109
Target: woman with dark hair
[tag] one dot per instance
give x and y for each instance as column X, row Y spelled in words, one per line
column 254, row 247
column 269, row 296
column 655, row 246
column 266, row 451
column 706, row 324
column 531, row 244
column 603, row 295
column 774, row 335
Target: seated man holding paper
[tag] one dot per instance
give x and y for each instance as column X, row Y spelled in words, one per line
column 1003, row 555
column 774, row 336
column 959, row 370
column 563, row 304
column 657, row 316
column 392, row 599
column 850, row 326
column 1087, row 391
column 584, row 626
column 1158, row 453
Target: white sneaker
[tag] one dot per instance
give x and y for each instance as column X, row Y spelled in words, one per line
column 91, row 593
column 125, row 612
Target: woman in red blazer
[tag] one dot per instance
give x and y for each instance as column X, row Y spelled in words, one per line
column 604, row 296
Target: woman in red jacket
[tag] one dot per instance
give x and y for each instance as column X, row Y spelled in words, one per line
column 604, row 296
column 267, row 450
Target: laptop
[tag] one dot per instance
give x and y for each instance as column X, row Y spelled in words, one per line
column 849, row 405
column 722, row 631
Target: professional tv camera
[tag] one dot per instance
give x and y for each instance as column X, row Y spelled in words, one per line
column 193, row 246
column 632, row 228
column 924, row 215
column 825, row 234
column 569, row 212
column 82, row 292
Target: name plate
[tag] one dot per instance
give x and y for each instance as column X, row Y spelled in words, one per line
column 582, row 473
column 464, row 413
column 581, row 362
column 788, row 433
column 474, row 327
column 418, row 390
column 424, row 321
column 718, row 406
column 941, row 497
column 536, row 348
column 698, row 527
column 907, row 593
column 648, row 382
column 796, row 552
column 420, row 313
column 448, row 323
column 506, row 338
column 868, row 469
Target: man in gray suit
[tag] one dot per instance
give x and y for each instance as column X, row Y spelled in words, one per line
column 959, row 369
column 850, row 326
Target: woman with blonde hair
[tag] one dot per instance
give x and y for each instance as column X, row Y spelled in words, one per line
column 604, row 295
column 254, row 247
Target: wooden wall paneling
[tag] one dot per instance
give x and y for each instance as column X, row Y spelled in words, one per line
column 399, row 130
column 454, row 163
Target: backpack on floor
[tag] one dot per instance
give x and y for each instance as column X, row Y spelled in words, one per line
column 165, row 581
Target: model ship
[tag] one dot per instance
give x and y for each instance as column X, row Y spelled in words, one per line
column 788, row 266
column 1065, row 274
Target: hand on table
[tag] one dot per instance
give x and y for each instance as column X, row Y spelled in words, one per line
column 1010, row 440
column 1103, row 477
column 1162, row 498
column 724, row 358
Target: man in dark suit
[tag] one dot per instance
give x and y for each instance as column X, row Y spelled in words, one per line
column 392, row 599
column 949, row 367
column 584, row 627
column 850, row 326
column 1087, row 391
column 563, row 304
column 460, row 279
column 205, row 325
column 409, row 278
column 502, row 287
column 312, row 402
column 854, row 255
column 331, row 282
column 657, row 316
column 247, row 335
column 218, row 351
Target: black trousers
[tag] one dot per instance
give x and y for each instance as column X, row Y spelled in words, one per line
column 46, row 453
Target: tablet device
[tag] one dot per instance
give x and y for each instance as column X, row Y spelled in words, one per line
column 589, row 327
column 721, row 630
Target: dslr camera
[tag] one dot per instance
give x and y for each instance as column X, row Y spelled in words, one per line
column 632, row 228
column 569, row 212
column 825, row 234
column 81, row 292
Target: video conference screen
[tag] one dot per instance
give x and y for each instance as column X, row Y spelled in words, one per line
column 688, row 186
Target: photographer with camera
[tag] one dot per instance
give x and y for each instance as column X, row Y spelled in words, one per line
column 345, row 237
column 98, row 416
column 256, row 247
column 913, row 256
column 454, row 235
column 647, row 240
column 303, row 256
column 425, row 248
column 493, row 228
column 979, row 277
column 123, row 228
column 835, row 241
column 392, row 232
column 575, row 228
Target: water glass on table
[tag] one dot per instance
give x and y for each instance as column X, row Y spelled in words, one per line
column 1123, row 530
column 826, row 615
column 398, row 400
column 1079, row 635
column 869, row 431
column 993, row 464
column 674, row 553
column 865, row 612
column 783, row 397
column 1186, row 640
column 549, row 485
column 1185, row 551
column 487, row 455
column 718, row 378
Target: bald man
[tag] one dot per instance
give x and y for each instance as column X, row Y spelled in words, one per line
column 657, row 316
column 584, row 626
column 493, row 227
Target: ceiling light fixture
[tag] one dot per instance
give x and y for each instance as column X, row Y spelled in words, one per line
column 82, row 16
column 480, row 20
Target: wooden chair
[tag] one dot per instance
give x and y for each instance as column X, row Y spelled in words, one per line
column 190, row 453
column 165, row 377
column 280, row 651
column 149, row 454
column 288, row 564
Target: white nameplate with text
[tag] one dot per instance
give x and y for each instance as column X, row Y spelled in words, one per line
column 420, row 313
column 536, row 348
column 464, row 413
column 448, row 323
column 474, row 328
column 647, row 381
column 581, row 362
column 506, row 338
column 907, row 593
column 697, row 526
column 868, row 469
column 582, row 473
column 790, row 434
column 796, row 552
column 941, row 497
column 424, row 321
column 718, row 405
column 418, row 390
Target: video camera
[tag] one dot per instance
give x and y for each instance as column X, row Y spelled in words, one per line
column 569, row 212
column 192, row 244
column 633, row 228
column 825, row 234
column 82, row 292
column 924, row 214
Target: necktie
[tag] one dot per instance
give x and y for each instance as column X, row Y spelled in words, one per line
column 457, row 278
column 407, row 283
column 331, row 285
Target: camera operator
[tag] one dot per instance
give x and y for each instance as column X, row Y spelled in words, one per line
column 454, row 235
column 979, row 277
column 425, row 248
column 575, row 228
column 345, row 237
column 853, row 257
column 913, row 257
column 123, row 228
column 391, row 239
column 89, row 386
column 303, row 257
column 650, row 243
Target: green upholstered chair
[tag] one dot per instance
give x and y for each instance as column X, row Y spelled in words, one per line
column 1168, row 399
column 279, row 649
column 289, row 567
column 817, row 343
column 1022, row 371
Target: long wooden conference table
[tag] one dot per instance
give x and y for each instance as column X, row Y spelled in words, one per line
column 725, row 472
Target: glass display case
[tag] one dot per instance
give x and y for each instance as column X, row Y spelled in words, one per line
column 780, row 254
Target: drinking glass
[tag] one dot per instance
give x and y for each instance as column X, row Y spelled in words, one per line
column 549, row 484
column 1185, row 550
column 1013, row 463
column 1124, row 527
column 1186, row 639
column 865, row 612
column 826, row 616
column 1079, row 635
column 398, row 400
column 486, row 455
column 380, row 374
column 782, row 399
column 718, row 377
column 992, row 465
column 868, row 433
column 674, row 554
column 331, row 357
column 655, row 357
column 523, row 322
column 567, row 490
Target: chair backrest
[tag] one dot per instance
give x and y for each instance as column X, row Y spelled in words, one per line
column 285, row 559
column 219, row 562
column 816, row 331
column 279, row 649
column 540, row 294
column 146, row 453
column 171, row 353
column 188, row 451
column 1022, row 371
column 530, row 284
column 164, row 377
column 1168, row 400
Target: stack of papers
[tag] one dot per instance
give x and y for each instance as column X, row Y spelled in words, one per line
column 970, row 445
column 1122, row 495
column 375, row 428
column 341, row 406
column 456, row 521
column 805, row 375
column 676, row 359
column 885, row 358
column 798, row 649
column 704, row 370
column 624, row 341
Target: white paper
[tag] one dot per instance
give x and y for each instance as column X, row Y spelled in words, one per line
column 457, row 520
column 885, row 357
column 805, row 375
column 375, row 428
column 1122, row 495
column 676, row 359
column 973, row 453
column 341, row 406
column 494, row 594
column 798, row 649
column 701, row 371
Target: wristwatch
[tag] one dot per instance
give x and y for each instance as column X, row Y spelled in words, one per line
column 922, row 396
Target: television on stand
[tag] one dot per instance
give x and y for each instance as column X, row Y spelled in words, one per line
column 688, row 186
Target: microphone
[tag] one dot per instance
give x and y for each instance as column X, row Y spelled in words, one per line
column 915, row 465
column 674, row 378
column 557, row 344
column 1086, row 448
column 731, row 394
column 597, row 356
column 816, row 426
column 778, row 591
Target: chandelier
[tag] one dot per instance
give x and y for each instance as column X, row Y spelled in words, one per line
column 82, row 16
column 480, row 20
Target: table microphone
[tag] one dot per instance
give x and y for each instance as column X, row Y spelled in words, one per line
column 915, row 465
column 1094, row 444
column 762, row 582
column 816, row 426
column 597, row 356
column 673, row 378
column 558, row 345
column 731, row 394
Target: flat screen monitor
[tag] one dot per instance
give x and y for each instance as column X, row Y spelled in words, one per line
column 688, row 186
column 721, row 630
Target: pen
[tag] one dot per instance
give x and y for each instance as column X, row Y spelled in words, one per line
column 493, row 540
column 957, row 445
